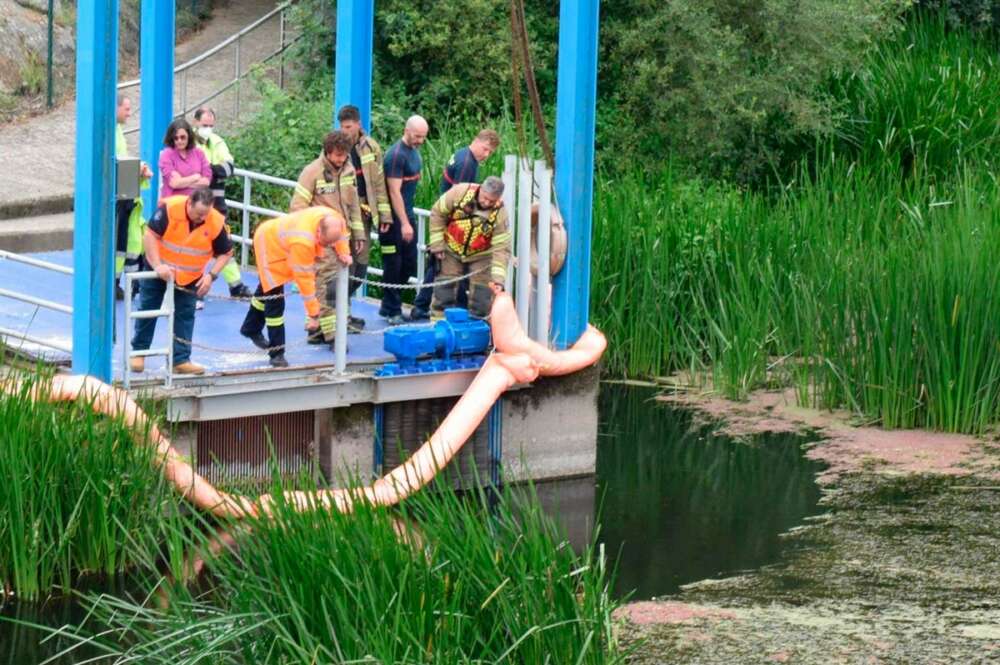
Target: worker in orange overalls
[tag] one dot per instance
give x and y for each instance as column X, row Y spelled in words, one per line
column 181, row 238
column 287, row 248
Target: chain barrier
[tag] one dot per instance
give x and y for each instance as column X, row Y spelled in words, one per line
column 360, row 280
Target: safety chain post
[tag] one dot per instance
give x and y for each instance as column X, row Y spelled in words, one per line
column 543, row 291
column 523, row 296
column 245, row 227
column 343, row 310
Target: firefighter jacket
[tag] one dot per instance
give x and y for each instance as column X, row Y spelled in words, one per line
column 459, row 225
column 323, row 184
column 184, row 248
column 373, row 172
column 220, row 159
column 286, row 250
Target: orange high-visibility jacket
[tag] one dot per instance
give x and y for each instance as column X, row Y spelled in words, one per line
column 184, row 248
column 287, row 250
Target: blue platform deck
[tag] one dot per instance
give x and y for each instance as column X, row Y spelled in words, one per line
column 216, row 326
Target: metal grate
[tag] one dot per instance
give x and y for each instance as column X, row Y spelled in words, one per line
column 251, row 449
column 407, row 425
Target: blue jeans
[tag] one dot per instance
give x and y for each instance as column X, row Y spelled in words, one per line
column 151, row 297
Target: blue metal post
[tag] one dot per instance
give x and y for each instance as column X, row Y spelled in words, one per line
column 156, row 66
column 94, row 197
column 575, row 115
column 353, row 77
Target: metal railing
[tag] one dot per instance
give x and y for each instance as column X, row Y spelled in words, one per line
column 182, row 70
column 38, row 302
column 247, row 209
column 166, row 310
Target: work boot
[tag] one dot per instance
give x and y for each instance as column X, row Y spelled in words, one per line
column 419, row 314
column 278, row 361
column 137, row 364
column 355, row 322
column 200, row 303
column 315, row 337
column 188, row 367
column 239, row 290
column 395, row 320
column 257, row 338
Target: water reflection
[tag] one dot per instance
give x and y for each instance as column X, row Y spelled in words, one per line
column 679, row 504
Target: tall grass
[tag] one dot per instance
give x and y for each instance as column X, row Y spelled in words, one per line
column 474, row 579
column 863, row 289
column 75, row 494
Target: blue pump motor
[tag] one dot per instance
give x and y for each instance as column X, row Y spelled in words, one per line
column 457, row 334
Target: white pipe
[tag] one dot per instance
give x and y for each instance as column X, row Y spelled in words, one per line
column 343, row 310
column 523, row 298
column 509, row 193
column 543, row 176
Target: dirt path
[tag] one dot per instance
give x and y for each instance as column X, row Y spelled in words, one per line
column 38, row 153
column 904, row 567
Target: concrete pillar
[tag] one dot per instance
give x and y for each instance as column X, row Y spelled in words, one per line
column 94, row 198
column 575, row 117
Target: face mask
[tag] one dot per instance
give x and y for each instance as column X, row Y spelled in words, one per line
column 204, row 132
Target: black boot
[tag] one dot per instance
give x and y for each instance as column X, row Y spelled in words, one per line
column 279, row 361
column 239, row 290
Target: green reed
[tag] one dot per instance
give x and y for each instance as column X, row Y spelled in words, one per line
column 76, row 494
column 477, row 578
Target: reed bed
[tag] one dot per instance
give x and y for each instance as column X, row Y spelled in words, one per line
column 479, row 578
column 76, row 495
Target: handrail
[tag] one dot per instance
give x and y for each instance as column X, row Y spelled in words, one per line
column 218, row 47
column 32, row 300
column 38, row 263
column 8, row 332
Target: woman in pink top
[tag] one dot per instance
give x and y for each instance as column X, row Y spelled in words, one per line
column 183, row 166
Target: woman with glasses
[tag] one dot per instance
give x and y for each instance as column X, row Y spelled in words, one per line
column 183, row 166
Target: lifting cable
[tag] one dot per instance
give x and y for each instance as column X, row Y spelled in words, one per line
column 521, row 65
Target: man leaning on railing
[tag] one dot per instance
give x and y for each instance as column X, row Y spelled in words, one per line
column 184, row 234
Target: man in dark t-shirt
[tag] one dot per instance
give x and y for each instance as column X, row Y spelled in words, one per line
column 462, row 167
column 398, row 240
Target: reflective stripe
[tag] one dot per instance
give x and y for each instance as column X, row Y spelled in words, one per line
column 308, row 270
column 435, row 236
column 501, row 238
column 309, row 299
column 274, row 321
column 303, row 192
column 328, row 324
column 384, row 207
column 388, row 249
column 357, row 226
column 294, row 234
column 346, row 180
column 181, row 249
column 368, row 157
column 256, row 304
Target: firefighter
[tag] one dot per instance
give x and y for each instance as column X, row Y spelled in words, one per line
column 330, row 181
column 181, row 238
column 221, row 162
column 469, row 234
column 288, row 248
column 366, row 157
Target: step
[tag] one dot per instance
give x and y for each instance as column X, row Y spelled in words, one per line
column 41, row 233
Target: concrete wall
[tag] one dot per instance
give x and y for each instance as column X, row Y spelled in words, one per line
column 346, row 438
column 550, row 429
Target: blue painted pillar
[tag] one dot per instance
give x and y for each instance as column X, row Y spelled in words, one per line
column 353, row 76
column 576, row 99
column 94, row 196
column 156, row 66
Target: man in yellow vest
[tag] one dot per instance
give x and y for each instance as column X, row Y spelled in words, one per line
column 469, row 235
column 288, row 249
column 221, row 160
column 184, row 234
